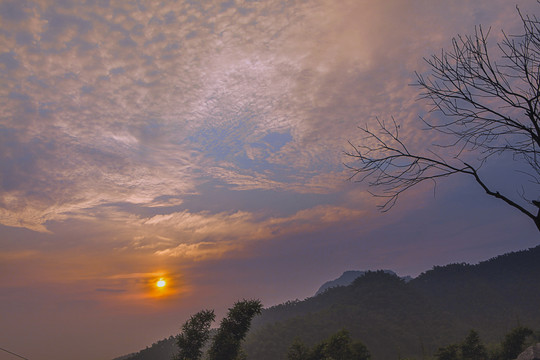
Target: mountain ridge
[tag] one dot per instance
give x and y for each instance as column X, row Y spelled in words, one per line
column 398, row 318
column 349, row 276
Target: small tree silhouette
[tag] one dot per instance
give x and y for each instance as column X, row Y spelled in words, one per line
column 233, row 329
column 227, row 342
column 195, row 333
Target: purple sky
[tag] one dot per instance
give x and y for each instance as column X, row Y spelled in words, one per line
column 202, row 142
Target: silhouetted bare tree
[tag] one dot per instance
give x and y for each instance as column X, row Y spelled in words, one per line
column 488, row 108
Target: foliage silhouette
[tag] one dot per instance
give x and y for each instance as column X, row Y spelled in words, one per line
column 195, row 333
column 339, row 346
column 471, row 348
column 233, row 329
column 226, row 343
column 514, row 342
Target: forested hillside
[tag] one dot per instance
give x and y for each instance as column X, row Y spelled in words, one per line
column 397, row 319
column 162, row 350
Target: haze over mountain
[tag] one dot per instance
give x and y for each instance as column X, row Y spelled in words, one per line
column 395, row 318
column 400, row 317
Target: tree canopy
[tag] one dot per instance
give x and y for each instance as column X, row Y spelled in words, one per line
column 195, row 333
column 233, row 329
column 226, row 344
column 472, row 348
column 337, row 346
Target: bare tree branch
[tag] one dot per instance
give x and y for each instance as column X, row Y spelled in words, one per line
column 490, row 108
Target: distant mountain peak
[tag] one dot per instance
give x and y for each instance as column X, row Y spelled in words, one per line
column 348, row 277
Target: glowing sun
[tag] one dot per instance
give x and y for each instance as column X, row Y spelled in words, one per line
column 161, row 283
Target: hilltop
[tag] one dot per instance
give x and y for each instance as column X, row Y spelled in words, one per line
column 402, row 317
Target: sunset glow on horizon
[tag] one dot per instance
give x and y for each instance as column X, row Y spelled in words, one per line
column 162, row 157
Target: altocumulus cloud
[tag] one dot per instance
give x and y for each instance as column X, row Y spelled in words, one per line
column 119, row 102
column 141, row 103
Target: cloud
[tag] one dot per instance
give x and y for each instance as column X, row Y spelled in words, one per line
column 13, row 10
column 204, row 236
column 118, row 102
column 96, row 121
column 111, row 290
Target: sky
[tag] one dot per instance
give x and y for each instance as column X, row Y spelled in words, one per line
column 202, row 142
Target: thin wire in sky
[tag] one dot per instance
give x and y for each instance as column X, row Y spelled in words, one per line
column 12, row 353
